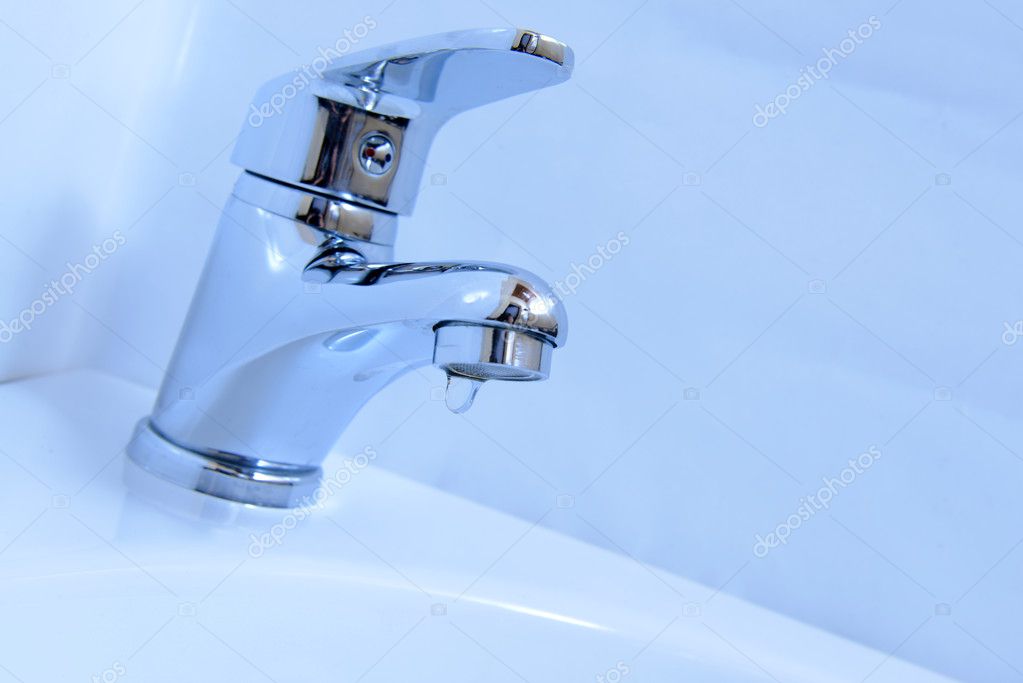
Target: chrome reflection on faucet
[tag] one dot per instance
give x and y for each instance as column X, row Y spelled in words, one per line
column 301, row 315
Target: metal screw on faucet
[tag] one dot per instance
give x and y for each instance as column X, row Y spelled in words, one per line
column 376, row 153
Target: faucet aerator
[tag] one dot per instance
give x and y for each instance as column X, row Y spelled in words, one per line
column 480, row 353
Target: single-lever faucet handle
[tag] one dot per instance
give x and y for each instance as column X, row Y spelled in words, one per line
column 361, row 132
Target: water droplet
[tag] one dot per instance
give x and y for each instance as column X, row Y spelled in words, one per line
column 460, row 393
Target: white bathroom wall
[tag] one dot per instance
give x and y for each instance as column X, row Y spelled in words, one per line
column 784, row 298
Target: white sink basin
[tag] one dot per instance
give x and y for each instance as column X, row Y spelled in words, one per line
column 109, row 573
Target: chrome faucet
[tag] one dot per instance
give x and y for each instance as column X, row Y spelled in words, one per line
column 301, row 315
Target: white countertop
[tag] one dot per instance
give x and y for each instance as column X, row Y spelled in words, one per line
column 108, row 572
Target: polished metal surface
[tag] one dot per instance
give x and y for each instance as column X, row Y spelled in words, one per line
column 301, row 315
column 223, row 475
column 341, row 218
column 314, row 137
column 482, row 353
column 534, row 43
column 518, row 304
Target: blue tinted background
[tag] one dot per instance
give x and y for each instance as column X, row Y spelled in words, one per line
column 846, row 276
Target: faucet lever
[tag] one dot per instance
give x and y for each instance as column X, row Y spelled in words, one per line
column 449, row 73
column 361, row 130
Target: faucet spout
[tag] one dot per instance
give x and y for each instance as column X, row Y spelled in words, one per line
column 490, row 293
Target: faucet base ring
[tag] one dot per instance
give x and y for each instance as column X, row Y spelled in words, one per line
column 243, row 480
